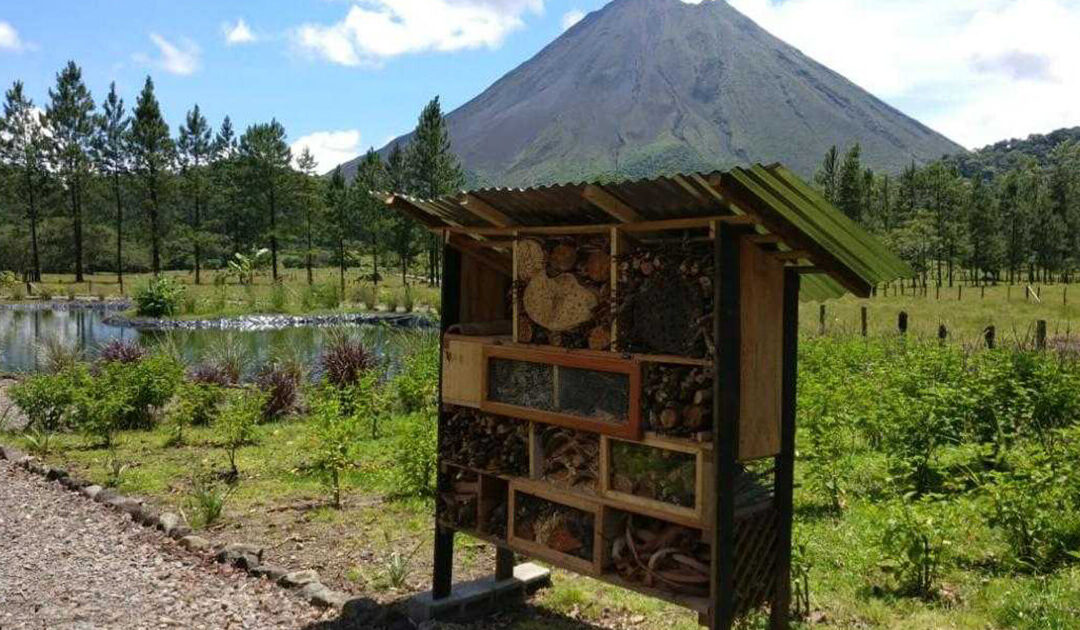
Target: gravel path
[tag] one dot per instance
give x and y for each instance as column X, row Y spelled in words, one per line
column 67, row 562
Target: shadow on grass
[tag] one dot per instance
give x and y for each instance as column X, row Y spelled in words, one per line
column 368, row 613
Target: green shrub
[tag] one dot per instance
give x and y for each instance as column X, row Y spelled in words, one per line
column 326, row 295
column 413, row 474
column 408, row 300
column 195, row 404
column 100, row 406
column 279, row 298
column 365, row 294
column 915, row 550
column 161, row 297
column 416, row 386
column 334, row 435
column 237, row 423
column 147, row 386
column 46, row 400
column 391, row 299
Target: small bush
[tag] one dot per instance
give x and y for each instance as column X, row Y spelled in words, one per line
column 334, row 435
column 416, row 385
column 236, row 426
column 408, row 300
column 121, row 351
column 391, row 299
column 195, row 404
column 279, row 298
column 414, row 451
column 146, row 386
column 280, row 384
column 161, row 297
column 206, row 501
column 345, row 360
column 326, row 295
column 209, row 374
column 914, row 550
column 365, row 294
column 190, row 304
column 46, row 400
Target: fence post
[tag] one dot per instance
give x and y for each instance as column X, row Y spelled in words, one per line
column 990, row 333
column 821, row 319
column 937, row 292
column 901, row 322
column 1040, row 334
column 942, row 333
column 863, row 321
column 1038, row 293
column 982, row 292
column 959, row 292
column 1008, row 293
column 1065, row 295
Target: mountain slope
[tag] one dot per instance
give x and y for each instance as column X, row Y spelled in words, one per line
column 642, row 87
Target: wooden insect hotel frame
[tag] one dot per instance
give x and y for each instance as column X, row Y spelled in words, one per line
column 619, row 372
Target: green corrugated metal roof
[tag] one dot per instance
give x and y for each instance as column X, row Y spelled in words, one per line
column 851, row 258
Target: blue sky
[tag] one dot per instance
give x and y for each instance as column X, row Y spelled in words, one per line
column 343, row 75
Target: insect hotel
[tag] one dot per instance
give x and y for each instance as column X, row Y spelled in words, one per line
column 618, row 378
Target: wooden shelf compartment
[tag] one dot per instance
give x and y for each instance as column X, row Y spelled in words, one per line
column 628, row 469
column 525, row 493
column 458, row 496
column 565, row 458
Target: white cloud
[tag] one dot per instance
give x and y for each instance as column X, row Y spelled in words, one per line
column 9, row 38
column 329, row 148
column 572, row 17
column 976, row 70
column 238, row 33
column 182, row 59
column 374, row 30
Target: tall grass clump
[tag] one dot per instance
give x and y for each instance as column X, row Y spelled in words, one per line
column 160, row 297
column 345, row 359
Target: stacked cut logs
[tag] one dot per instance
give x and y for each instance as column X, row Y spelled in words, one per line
column 570, row 458
column 562, row 528
column 459, row 492
column 487, row 442
column 564, row 291
column 665, row 299
column 677, row 399
column 661, row 555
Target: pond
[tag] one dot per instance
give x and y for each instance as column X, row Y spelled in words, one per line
column 24, row 330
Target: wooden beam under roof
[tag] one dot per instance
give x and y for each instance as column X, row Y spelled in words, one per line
column 482, row 209
column 478, row 251
column 610, row 204
column 795, row 254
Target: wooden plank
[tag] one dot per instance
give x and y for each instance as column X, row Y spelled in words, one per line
column 762, row 299
column 764, row 239
column 610, row 204
column 463, row 366
column 641, row 226
column 482, row 209
column 515, row 301
column 795, row 254
column 785, row 461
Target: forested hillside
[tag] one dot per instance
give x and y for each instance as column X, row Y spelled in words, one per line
column 1008, row 154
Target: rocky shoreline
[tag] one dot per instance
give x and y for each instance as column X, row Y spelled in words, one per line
column 273, row 322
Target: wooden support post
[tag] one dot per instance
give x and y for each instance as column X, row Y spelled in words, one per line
column 959, row 292
column 1040, row 334
column 982, row 292
column 821, row 320
column 901, row 322
column 727, row 331
column 990, row 334
column 864, row 318
column 443, row 570
column 942, row 334
column 504, row 564
column 937, row 292
column 780, row 606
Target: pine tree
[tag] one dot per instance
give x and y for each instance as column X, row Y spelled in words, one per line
column 112, row 159
column 22, row 148
column 195, row 151
column 71, row 123
column 266, row 157
column 225, row 175
column 434, row 170
column 152, row 151
column 1015, row 222
column 309, row 200
column 372, row 214
column 828, row 176
column 985, row 231
column 849, row 193
column 405, row 234
column 340, row 219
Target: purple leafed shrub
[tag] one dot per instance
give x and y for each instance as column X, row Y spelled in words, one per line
column 122, row 351
column 345, row 360
column 210, row 374
column 280, row 385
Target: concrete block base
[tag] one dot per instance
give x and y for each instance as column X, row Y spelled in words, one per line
column 479, row 597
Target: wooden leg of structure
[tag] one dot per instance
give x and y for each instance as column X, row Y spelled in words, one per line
column 504, row 564
column 785, row 461
column 444, row 562
column 727, row 330
column 443, row 572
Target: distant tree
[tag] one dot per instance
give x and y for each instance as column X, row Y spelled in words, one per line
column 225, row 173
column 152, row 151
column 266, row 156
column 111, row 157
column 195, row 151
column 337, row 202
column 71, row 124
column 849, row 187
column 434, row 170
column 22, row 148
column 828, row 175
column 310, row 202
column 405, row 234
column 372, row 214
column 985, row 231
column 1015, row 223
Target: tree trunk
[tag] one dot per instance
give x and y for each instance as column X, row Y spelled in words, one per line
column 155, row 236
column 35, row 258
column 76, row 215
column 310, row 274
column 341, row 263
column 198, row 245
column 119, row 233
column 273, row 233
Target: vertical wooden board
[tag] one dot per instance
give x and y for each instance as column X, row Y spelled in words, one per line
column 463, row 372
column 483, row 292
column 618, row 248
column 514, row 297
column 761, row 350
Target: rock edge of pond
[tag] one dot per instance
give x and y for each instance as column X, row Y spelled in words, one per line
column 274, row 322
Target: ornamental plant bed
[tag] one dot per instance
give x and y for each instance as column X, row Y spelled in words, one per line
column 563, row 291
